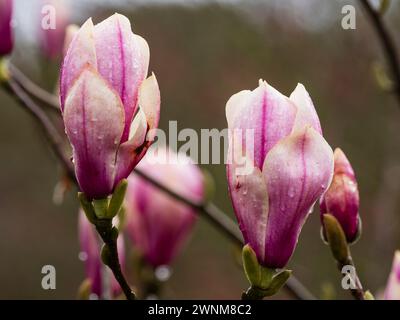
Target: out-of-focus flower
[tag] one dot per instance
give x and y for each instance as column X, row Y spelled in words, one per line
column 392, row 291
column 55, row 17
column 6, row 34
column 108, row 108
column 291, row 167
column 156, row 223
column 90, row 254
column 341, row 199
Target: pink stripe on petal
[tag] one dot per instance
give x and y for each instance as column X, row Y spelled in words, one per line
column 90, row 105
column 120, row 62
column 297, row 171
column 270, row 114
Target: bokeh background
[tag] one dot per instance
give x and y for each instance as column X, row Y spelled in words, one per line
column 203, row 52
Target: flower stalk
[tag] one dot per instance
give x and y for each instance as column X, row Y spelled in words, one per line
column 336, row 239
column 101, row 213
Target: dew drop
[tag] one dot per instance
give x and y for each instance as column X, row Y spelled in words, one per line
column 83, row 256
column 291, row 192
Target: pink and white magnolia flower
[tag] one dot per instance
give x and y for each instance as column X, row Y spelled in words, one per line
column 291, row 164
column 52, row 33
column 342, row 199
column 6, row 34
column 94, row 268
column 156, row 223
column 392, row 291
column 108, row 107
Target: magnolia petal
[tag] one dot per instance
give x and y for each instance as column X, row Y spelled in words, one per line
column 120, row 61
column 6, row 33
column 70, row 33
column 81, row 54
column 141, row 133
column 392, row 291
column 157, row 223
column 149, row 102
column 89, row 106
column 144, row 54
column 268, row 113
column 235, row 105
column 342, row 198
column 342, row 164
column 132, row 151
column 249, row 197
column 52, row 39
column 306, row 114
column 297, row 171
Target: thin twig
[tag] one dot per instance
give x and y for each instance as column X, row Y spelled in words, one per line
column 51, row 132
column 33, row 89
column 388, row 45
column 357, row 290
column 217, row 217
column 110, row 255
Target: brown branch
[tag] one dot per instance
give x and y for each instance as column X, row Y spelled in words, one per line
column 388, row 45
column 357, row 291
column 217, row 217
column 32, row 88
column 52, row 135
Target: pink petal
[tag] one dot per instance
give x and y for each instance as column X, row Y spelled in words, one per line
column 122, row 61
column 149, row 102
column 157, row 223
column 266, row 111
column 70, row 33
column 132, row 151
column 342, row 198
column 392, row 291
column 80, row 54
column 297, row 171
column 306, row 114
column 342, row 164
column 6, row 34
column 52, row 40
column 250, row 202
column 94, row 121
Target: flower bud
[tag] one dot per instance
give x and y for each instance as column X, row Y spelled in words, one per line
column 158, row 224
column 392, row 291
column 6, row 33
column 54, row 21
column 90, row 254
column 108, row 107
column 341, row 199
column 288, row 167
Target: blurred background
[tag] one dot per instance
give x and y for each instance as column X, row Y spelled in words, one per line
column 203, row 52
